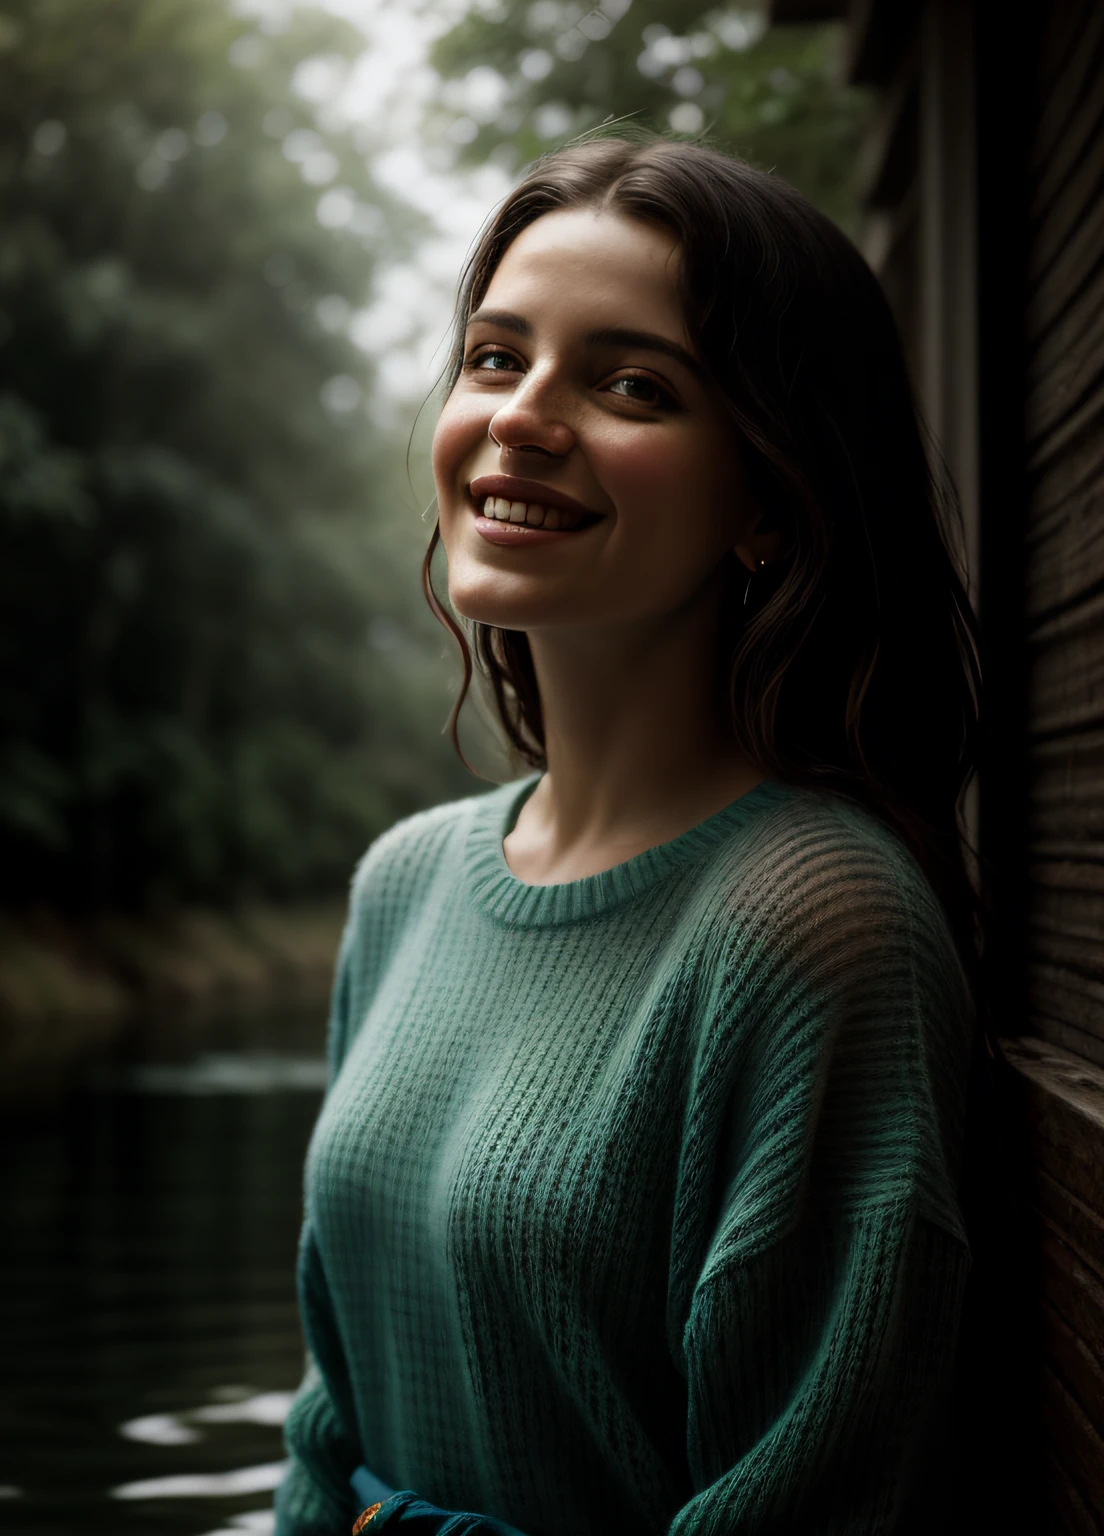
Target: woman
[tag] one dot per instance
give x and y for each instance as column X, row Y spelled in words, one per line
column 634, row 1202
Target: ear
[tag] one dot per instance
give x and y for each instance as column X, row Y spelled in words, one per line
column 762, row 545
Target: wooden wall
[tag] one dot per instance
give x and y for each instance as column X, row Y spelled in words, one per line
column 1064, row 616
column 1063, row 1066
column 985, row 193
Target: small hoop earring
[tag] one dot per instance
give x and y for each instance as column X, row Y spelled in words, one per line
column 751, row 578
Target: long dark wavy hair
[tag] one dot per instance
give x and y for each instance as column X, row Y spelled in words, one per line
column 856, row 668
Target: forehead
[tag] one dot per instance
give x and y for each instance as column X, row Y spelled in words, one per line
column 592, row 262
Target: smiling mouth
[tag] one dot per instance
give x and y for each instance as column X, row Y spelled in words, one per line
column 533, row 515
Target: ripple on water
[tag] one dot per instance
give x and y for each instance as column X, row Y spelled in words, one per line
column 154, row 1226
column 217, row 1072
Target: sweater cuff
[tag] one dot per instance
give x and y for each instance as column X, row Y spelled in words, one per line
column 405, row 1512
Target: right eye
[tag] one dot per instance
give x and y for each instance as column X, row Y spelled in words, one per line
column 492, row 360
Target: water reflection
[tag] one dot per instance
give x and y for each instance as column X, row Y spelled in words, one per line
column 263, row 1520
column 257, row 1072
column 205, row 1485
column 241, row 1408
column 148, row 1323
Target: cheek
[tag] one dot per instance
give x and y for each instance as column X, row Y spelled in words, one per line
column 671, row 477
column 680, row 499
column 461, row 428
column 638, row 469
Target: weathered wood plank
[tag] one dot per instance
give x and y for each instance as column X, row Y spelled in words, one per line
column 1067, row 995
column 1081, row 1228
column 1066, row 1013
column 1066, row 872
column 1067, row 793
column 1068, row 1515
column 1063, row 437
column 1065, row 48
column 1066, row 891
column 1066, row 72
column 1072, row 995
column 1056, row 529
column 1065, row 373
column 1063, row 195
column 1065, row 689
column 1064, row 531
column 1075, row 1442
column 1063, row 1103
column 1067, row 572
column 1067, row 1037
column 1074, row 949
column 1062, row 484
column 1074, row 477
column 1072, row 1329
column 1074, row 1363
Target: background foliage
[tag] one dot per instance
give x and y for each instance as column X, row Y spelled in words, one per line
column 218, row 678
column 771, row 95
column 207, row 684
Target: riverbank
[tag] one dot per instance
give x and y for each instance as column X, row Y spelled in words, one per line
column 72, row 993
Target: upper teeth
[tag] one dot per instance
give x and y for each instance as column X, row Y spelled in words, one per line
column 529, row 512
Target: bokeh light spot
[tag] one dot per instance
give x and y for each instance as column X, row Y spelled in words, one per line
column 319, row 168
column 172, row 144
column 551, row 120
column 341, row 394
column 687, row 81
column 336, row 208
column 536, row 63
column 210, row 130
column 49, row 137
column 687, row 117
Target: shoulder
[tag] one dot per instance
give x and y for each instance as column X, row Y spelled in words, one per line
column 399, row 862
column 394, row 877
column 389, row 887
column 842, row 1018
column 825, row 882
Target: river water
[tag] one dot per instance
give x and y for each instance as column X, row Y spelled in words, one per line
column 149, row 1336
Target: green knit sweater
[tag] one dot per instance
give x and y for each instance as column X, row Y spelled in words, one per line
column 632, row 1205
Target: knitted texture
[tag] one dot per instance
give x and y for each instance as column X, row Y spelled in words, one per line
column 632, row 1204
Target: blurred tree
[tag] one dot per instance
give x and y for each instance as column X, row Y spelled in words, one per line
column 525, row 75
column 215, row 674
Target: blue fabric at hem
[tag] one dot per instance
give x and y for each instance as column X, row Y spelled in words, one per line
column 423, row 1518
column 368, row 1488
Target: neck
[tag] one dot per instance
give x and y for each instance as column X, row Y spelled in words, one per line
column 637, row 734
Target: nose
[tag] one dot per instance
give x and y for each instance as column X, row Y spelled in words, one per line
column 532, row 419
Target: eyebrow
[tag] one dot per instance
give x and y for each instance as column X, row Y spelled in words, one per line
column 605, row 336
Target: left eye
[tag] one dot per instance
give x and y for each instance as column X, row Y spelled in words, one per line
column 646, row 390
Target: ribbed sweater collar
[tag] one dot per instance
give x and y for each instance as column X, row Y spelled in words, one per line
column 493, row 886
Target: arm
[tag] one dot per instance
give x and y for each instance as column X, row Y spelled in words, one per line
column 819, row 1373
column 819, row 1255
column 315, row 1498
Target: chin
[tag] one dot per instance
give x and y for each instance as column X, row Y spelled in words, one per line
column 501, row 615
column 487, row 596
column 521, row 613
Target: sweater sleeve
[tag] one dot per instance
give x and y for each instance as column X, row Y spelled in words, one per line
column 820, row 1259
column 315, row 1498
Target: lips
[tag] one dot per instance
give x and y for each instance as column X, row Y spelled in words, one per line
column 511, row 488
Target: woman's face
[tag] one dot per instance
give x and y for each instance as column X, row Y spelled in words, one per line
column 579, row 379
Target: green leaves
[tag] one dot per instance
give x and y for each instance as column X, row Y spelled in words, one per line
column 772, row 96
column 198, row 520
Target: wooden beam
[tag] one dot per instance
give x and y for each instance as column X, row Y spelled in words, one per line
column 1063, row 1099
